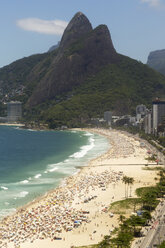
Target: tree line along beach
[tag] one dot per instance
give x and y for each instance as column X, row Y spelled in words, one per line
column 75, row 213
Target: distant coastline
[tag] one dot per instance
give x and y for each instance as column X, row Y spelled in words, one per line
column 12, row 124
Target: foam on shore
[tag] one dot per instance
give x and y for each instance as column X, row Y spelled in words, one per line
column 40, row 182
column 107, row 168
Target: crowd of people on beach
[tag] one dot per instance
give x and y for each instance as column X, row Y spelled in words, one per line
column 125, row 148
column 120, row 145
column 66, row 207
column 57, row 212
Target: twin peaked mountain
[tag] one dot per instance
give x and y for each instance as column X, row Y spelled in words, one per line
column 80, row 79
column 81, row 53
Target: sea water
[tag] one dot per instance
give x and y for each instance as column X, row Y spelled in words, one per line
column 34, row 162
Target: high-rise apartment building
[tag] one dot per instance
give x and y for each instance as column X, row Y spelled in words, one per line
column 158, row 109
column 140, row 112
column 108, row 117
column 14, row 111
column 148, row 123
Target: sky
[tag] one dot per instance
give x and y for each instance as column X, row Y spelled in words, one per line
column 32, row 26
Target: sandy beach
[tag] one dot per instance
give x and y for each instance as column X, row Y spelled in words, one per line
column 75, row 214
column 12, row 124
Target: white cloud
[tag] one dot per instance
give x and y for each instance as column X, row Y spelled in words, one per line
column 152, row 3
column 42, row 26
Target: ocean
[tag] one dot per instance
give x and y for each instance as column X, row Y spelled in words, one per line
column 34, row 162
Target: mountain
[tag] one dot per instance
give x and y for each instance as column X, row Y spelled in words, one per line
column 118, row 87
column 80, row 79
column 156, row 60
column 81, row 53
column 54, row 47
column 14, row 76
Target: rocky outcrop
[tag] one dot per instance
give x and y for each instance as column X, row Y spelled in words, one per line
column 77, row 28
column 54, row 47
column 82, row 52
column 156, row 60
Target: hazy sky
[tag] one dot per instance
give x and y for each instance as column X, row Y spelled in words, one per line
column 33, row 26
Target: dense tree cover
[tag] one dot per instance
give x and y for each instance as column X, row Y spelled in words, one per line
column 15, row 74
column 162, row 245
column 117, row 87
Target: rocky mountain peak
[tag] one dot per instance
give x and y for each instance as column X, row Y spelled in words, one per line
column 102, row 33
column 156, row 60
column 78, row 27
column 83, row 51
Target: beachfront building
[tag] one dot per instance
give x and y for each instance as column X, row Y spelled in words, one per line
column 14, row 111
column 158, row 108
column 140, row 112
column 132, row 120
column 148, row 123
column 108, row 117
column 3, row 120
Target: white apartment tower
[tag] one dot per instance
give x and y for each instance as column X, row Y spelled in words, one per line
column 108, row 117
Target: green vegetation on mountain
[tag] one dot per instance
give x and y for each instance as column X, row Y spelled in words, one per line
column 15, row 74
column 117, row 87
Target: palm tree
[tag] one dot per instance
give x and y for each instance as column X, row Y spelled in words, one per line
column 125, row 181
column 155, row 178
column 121, row 218
column 130, row 182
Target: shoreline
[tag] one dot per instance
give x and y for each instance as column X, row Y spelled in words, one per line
column 40, row 198
column 12, row 124
column 107, row 162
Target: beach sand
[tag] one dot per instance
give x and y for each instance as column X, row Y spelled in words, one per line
column 12, row 124
column 82, row 200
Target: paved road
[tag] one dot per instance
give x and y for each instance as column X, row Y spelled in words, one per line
column 155, row 233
